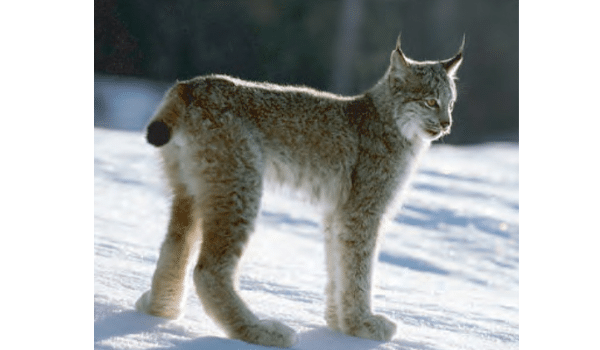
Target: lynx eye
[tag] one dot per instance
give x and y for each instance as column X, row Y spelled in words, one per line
column 431, row 102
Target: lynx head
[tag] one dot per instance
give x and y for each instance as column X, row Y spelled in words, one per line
column 423, row 93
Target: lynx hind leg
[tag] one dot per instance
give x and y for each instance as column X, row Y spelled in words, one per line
column 166, row 297
column 230, row 204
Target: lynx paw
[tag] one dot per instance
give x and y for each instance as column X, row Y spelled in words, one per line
column 267, row 333
column 144, row 304
column 374, row 327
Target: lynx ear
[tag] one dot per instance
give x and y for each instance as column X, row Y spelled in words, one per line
column 398, row 41
column 451, row 65
column 398, row 61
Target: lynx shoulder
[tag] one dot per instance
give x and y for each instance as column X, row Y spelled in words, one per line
column 222, row 138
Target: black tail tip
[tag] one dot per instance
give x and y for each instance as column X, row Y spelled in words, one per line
column 158, row 133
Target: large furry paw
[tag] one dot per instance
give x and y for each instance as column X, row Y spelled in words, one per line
column 267, row 333
column 144, row 304
column 374, row 327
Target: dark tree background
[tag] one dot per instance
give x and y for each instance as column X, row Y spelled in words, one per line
column 336, row 45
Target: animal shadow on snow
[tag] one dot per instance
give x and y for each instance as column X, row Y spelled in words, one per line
column 117, row 323
column 317, row 338
column 120, row 323
column 436, row 219
column 325, row 338
column 412, row 263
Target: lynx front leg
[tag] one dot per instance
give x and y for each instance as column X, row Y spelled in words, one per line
column 356, row 247
column 167, row 295
column 331, row 263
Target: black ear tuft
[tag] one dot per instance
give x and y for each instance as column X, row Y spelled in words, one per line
column 451, row 65
column 158, row 133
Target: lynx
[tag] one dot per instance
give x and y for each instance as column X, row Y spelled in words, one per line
column 221, row 138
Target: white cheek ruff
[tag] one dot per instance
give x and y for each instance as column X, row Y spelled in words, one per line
column 407, row 125
column 409, row 129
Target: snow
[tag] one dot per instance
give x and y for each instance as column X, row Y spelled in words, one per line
column 448, row 271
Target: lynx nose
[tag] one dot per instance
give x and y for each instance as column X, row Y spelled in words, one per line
column 445, row 124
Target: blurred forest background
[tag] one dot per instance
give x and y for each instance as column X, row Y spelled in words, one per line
column 341, row 46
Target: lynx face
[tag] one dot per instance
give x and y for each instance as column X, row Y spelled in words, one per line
column 428, row 112
column 424, row 95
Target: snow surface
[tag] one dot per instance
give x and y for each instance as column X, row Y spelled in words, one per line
column 447, row 271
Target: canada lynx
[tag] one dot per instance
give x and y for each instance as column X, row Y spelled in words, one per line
column 220, row 138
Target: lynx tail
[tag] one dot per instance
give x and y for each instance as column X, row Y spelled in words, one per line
column 166, row 119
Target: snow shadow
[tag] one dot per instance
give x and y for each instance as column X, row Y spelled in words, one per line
column 447, row 190
column 452, row 176
column 412, row 263
column 325, row 338
column 113, row 322
column 285, row 218
column 425, row 266
column 117, row 323
column 317, row 338
column 463, row 193
column 436, row 219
